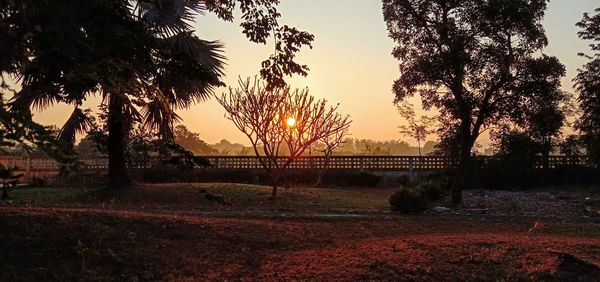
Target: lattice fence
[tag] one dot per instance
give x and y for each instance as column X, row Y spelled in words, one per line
column 367, row 163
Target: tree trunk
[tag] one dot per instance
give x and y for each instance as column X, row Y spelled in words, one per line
column 322, row 171
column 274, row 183
column 117, row 167
column 319, row 177
column 465, row 166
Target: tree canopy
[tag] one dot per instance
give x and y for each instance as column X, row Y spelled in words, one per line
column 142, row 57
column 587, row 84
column 281, row 121
column 472, row 60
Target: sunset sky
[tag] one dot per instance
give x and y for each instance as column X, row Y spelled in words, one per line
column 350, row 63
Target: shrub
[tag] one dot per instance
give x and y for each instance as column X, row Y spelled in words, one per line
column 349, row 179
column 37, row 181
column 408, row 200
column 433, row 191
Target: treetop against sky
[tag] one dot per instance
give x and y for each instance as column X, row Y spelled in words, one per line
column 350, row 63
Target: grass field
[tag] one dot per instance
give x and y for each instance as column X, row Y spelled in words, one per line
column 186, row 197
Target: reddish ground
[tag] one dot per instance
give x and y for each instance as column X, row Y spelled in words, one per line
column 80, row 244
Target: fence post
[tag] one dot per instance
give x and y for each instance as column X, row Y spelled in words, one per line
column 362, row 164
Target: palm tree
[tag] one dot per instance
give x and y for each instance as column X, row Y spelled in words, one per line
column 141, row 55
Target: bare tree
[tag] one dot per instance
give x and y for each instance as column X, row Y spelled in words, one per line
column 419, row 128
column 279, row 119
column 326, row 146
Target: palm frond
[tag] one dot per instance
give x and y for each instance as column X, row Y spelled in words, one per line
column 159, row 117
column 31, row 98
column 169, row 17
column 79, row 122
column 190, row 70
column 207, row 53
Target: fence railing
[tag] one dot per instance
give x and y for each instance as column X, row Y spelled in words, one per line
column 367, row 163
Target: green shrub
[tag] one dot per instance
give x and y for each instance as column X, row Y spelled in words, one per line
column 408, row 200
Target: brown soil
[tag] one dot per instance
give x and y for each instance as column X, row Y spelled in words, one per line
column 81, row 244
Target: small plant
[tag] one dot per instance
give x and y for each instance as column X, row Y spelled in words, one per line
column 409, row 200
column 8, row 178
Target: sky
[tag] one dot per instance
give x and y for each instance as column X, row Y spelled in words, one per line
column 350, row 63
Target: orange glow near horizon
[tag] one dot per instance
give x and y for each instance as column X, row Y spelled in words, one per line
column 350, row 64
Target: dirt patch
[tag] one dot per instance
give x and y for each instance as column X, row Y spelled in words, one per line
column 144, row 246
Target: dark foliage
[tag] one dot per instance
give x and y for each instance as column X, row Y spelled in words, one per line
column 142, row 147
column 37, row 182
column 517, row 150
column 408, row 200
column 500, row 177
column 183, row 159
column 587, row 83
column 141, row 56
column 341, row 179
column 434, row 191
column 9, row 178
column 475, row 61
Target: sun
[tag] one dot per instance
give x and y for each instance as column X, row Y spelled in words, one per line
column 291, row 122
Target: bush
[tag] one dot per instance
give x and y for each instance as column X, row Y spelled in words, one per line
column 37, row 181
column 409, row 200
column 350, row 179
column 433, row 191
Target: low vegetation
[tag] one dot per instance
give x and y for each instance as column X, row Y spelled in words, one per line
column 417, row 198
column 185, row 196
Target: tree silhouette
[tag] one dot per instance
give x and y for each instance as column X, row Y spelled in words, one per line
column 464, row 58
column 587, row 84
column 326, row 146
column 264, row 115
column 420, row 128
column 191, row 141
column 140, row 56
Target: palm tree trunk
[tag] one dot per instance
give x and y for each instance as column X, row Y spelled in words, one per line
column 117, row 168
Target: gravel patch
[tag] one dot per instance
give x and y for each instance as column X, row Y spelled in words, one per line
column 529, row 203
